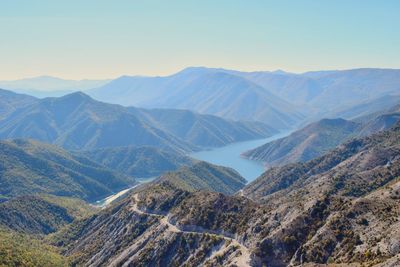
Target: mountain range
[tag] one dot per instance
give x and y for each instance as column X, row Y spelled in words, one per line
column 203, row 90
column 76, row 121
column 327, row 90
column 340, row 208
column 329, row 197
column 44, row 86
column 380, row 105
column 318, row 138
column 280, row 99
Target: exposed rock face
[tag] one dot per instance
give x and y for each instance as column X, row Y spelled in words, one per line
column 331, row 209
column 131, row 235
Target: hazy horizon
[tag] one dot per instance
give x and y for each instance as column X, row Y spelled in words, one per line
column 102, row 40
column 179, row 70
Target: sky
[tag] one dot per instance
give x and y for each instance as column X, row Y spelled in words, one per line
column 98, row 39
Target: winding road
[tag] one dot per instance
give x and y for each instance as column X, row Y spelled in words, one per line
column 242, row 259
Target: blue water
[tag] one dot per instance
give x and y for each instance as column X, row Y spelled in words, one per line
column 229, row 156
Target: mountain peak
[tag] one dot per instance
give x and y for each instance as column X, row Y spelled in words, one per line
column 74, row 98
column 77, row 95
column 197, row 70
column 279, row 71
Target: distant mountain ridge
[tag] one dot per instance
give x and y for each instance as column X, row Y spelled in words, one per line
column 76, row 121
column 207, row 91
column 329, row 90
column 371, row 108
column 49, row 83
column 280, row 99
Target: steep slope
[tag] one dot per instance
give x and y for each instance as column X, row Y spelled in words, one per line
column 140, row 162
column 367, row 229
column 41, row 214
column 370, row 109
column 327, row 91
column 29, row 167
column 325, row 206
column 380, row 123
column 349, row 87
column 139, row 225
column 76, row 122
column 344, row 94
column 262, row 96
column 340, row 208
column 205, row 176
column 294, row 88
column 305, row 144
column 204, row 130
column 10, row 101
column 210, row 91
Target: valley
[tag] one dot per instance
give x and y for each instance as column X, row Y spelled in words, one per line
column 231, row 156
column 227, row 156
column 100, row 184
column 199, row 133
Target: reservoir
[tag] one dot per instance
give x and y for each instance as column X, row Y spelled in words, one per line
column 230, row 156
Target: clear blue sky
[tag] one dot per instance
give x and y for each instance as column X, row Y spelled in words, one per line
column 105, row 39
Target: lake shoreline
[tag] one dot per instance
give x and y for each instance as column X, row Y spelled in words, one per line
column 227, row 156
column 231, row 156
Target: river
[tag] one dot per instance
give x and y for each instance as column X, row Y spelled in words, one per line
column 230, row 156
